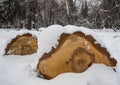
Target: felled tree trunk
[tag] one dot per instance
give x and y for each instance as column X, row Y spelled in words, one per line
column 22, row 45
column 75, row 53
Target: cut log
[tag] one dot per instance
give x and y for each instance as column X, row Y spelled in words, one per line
column 75, row 53
column 22, row 45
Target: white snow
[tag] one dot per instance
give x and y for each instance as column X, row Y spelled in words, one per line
column 21, row 70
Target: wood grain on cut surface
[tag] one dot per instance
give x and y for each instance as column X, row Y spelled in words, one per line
column 75, row 53
column 22, row 45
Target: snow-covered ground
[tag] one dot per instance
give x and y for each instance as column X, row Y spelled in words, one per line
column 21, row 70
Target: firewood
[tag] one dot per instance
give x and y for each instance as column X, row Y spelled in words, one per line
column 75, row 53
column 22, row 45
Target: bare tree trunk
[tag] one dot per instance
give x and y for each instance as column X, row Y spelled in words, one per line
column 28, row 17
column 46, row 13
column 69, row 11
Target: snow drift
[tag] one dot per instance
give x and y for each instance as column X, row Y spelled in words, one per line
column 22, row 70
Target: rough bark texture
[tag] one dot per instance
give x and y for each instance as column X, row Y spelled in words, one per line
column 75, row 53
column 22, row 45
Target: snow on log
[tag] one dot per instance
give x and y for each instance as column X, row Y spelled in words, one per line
column 75, row 53
column 22, row 45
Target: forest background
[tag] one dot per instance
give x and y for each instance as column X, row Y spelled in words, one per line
column 33, row 14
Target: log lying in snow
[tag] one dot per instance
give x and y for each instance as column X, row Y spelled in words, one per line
column 22, row 45
column 75, row 53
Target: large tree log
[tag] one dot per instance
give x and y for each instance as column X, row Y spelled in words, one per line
column 22, row 45
column 75, row 53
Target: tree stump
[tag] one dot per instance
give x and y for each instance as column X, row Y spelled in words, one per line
column 75, row 53
column 22, row 45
